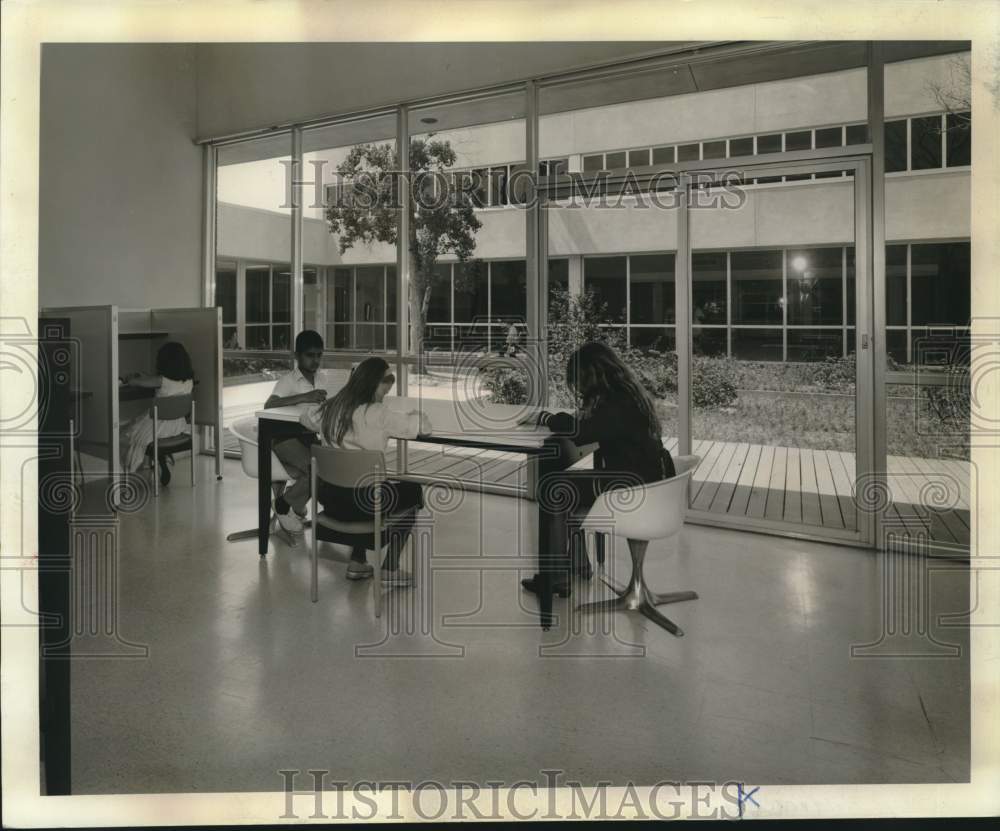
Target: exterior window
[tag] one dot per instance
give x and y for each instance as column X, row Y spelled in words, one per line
column 814, row 344
column 798, row 141
column 713, row 150
column 857, row 134
column 815, row 286
column 769, row 144
column 925, row 143
column 638, row 158
column 756, row 287
column 615, row 161
column 499, row 180
column 895, row 146
column 652, row 288
column 829, row 137
column 940, row 284
column 258, row 307
column 741, row 147
column 605, row 277
column 508, row 291
column 663, row 155
column 959, row 147
column 439, row 306
column 558, row 277
column 757, row 344
column 708, row 296
column 225, row 296
column 688, row 152
column 895, row 285
column 471, row 291
column 595, row 162
column 281, row 297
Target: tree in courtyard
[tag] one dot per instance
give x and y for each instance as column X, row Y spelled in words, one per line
column 443, row 219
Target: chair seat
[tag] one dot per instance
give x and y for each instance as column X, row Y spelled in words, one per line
column 171, row 445
column 361, row 532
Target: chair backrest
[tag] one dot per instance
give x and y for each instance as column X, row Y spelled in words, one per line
column 644, row 512
column 349, row 468
column 245, row 430
column 171, row 406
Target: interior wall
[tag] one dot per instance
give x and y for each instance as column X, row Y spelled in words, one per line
column 120, row 178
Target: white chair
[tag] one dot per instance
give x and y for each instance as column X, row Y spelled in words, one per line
column 245, row 431
column 646, row 512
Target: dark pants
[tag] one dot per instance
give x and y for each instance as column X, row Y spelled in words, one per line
column 565, row 496
column 400, row 501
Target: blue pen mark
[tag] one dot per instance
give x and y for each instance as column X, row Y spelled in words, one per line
column 743, row 798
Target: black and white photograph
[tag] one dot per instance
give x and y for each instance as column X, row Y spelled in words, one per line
column 415, row 418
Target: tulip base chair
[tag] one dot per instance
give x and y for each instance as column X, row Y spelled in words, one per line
column 641, row 514
column 245, row 431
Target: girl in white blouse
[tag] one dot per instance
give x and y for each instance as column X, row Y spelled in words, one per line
column 356, row 418
column 174, row 376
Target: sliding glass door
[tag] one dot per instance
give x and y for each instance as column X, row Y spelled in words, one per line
column 779, row 347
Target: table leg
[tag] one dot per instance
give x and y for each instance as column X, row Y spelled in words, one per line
column 264, row 441
column 545, row 580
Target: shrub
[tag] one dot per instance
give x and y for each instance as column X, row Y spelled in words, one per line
column 835, row 374
column 504, row 386
column 712, row 383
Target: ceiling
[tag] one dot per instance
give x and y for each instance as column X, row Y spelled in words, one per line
column 697, row 67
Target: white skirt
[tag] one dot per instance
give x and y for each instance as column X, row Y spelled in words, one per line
column 138, row 434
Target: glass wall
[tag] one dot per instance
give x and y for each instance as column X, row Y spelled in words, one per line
column 349, row 232
column 773, row 287
column 773, row 377
column 253, row 284
column 927, row 290
column 468, row 285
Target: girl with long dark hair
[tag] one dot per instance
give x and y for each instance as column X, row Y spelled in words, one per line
column 174, row 376
column 356, row 418
column 618, row 414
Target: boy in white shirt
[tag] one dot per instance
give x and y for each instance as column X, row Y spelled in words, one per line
column 306, row 384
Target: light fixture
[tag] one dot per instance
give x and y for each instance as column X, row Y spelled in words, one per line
column 428, row 120
column 799, row 263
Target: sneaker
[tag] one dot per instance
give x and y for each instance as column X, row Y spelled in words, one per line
column 290, row 523
column 359, row 571
column 396, row 577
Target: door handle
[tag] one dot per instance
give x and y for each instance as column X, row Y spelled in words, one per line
column 864, row 340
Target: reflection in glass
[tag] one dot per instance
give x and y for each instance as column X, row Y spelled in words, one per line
column 925, row 142
column 606, row 278
column 225, row 291
column 708, row 295
column 815, row 285
column 757, row 344
column 652, row 288
column 756, row 286
column 940, row 283
column 895, row 285
column 895, row 146
column 258, row 295
column 814, row 344
column 508, row 291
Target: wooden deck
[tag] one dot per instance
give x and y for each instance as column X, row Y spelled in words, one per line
column 787, row 484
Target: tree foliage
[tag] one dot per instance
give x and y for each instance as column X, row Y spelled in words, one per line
column 443, row 219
